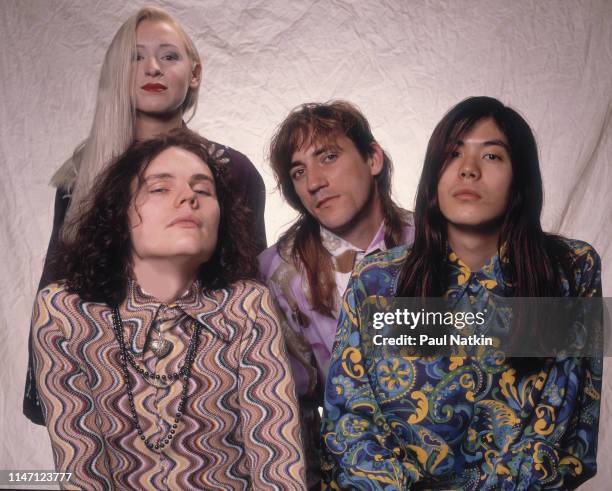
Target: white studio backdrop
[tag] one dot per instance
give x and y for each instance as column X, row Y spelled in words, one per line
column 404, row 63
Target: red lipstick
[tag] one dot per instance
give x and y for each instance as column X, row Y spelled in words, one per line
column 154, row 87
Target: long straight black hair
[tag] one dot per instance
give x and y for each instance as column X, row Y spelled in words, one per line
column 534, row 257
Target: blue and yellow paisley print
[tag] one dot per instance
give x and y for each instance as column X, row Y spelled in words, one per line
column 398, row 423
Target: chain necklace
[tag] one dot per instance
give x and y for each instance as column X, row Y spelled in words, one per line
column 184, row 371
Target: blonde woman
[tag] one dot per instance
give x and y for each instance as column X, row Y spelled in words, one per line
column 149, row 85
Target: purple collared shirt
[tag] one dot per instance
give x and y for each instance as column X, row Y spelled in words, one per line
column 312, row 333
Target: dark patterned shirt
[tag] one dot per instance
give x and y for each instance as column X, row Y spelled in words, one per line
column 402, row 422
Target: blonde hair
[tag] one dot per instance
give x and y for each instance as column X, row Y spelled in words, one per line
column 112, row 130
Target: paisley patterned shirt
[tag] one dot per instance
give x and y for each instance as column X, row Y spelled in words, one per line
column 398, row 422
column 239, row 428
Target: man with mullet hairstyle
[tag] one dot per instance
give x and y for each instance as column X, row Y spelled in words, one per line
column 330, row 169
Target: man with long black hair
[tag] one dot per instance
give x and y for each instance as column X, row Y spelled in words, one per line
column 480, row 422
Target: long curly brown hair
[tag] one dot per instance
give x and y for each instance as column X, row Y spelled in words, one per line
column 96, row 264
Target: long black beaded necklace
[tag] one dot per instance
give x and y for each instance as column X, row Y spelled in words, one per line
column 184, row 371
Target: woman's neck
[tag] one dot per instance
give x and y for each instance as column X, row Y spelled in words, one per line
column 474, row 248
column 148, row 126
column 164, row 279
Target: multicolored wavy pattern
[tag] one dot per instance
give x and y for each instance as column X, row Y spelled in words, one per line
column 240, row 425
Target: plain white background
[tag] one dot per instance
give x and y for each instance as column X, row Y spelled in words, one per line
column 404, row 63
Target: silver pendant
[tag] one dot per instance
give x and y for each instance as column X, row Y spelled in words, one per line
column 158, row 345
column 161, row 347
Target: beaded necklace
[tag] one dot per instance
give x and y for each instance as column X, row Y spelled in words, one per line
column 184, row 371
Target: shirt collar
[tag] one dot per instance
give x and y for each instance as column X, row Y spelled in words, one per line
column 490, row 276
column 140, row 309
column 138, row 298
column 336, row 245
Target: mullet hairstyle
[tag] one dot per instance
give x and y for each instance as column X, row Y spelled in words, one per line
column 113, row 127
column 97, row 264
column 534, row 256
column 318, row 123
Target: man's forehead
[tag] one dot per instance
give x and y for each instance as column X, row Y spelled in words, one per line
column 311, row 142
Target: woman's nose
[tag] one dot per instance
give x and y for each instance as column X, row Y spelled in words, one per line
column 152, row 68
